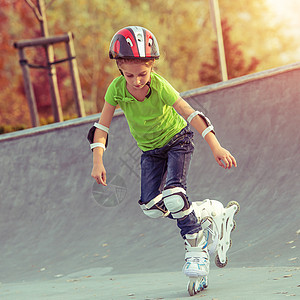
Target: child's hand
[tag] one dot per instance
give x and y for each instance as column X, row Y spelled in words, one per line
column 224, row 158
column 99, row 174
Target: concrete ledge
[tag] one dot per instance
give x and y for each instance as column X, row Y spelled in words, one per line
column 54, row 126
column 240, row 80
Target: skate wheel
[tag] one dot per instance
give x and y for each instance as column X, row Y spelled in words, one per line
column 191, row 288
column 197, row 285
column 234, row 225
column 218, row 262
column 234, row 203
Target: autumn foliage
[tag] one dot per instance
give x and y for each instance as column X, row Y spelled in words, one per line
column 189, row 57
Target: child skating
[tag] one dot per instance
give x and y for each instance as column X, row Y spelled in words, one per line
column 159, row 120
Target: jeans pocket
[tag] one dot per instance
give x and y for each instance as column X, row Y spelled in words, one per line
column 188, row 140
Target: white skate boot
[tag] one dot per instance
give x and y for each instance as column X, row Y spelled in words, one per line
column 218, row 222
column 197, row 261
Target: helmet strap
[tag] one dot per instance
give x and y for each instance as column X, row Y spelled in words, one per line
column 149, row 92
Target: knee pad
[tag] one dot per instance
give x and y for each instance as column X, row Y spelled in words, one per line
column 176, row 202
column 155, row 208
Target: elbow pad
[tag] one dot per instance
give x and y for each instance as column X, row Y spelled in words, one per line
column 92, row 130
column 209, row 128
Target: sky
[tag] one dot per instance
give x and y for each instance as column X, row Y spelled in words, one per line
column 289, row 12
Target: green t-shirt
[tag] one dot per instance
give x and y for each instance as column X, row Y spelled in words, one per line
column 152, row 122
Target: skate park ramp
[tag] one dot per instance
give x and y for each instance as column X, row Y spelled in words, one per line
column 58, row 241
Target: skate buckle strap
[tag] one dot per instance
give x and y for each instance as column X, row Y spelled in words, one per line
column 199, row 254
column 191, row 236
column 206, row 222
column 191, row 249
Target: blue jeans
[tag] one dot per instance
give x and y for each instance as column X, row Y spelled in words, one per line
column 169, row 165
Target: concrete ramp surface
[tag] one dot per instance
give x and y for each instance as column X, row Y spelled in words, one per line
column 58, row 242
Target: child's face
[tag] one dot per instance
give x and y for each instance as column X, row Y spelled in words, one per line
column 136, row 74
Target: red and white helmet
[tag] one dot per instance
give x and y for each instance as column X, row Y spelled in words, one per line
column 134, row 42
